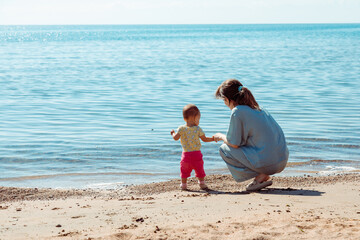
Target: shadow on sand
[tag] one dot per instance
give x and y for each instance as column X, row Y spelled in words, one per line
column 276, row 191
column 291, row 191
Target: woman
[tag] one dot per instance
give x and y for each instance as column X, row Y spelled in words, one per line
column 254, row 146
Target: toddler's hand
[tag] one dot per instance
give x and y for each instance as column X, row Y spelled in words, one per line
column 172, row 132
column 219, row 137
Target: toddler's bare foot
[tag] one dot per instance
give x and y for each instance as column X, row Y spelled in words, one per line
column 203, row 185
column 183, row 186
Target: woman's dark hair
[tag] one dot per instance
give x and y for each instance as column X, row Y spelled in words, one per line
column 230, row 90
column 190, row 110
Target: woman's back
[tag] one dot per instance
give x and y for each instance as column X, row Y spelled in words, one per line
column 259, row 135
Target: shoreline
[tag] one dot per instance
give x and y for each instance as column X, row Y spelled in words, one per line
column 293, row 207
column 64, row 181
column 214, row 181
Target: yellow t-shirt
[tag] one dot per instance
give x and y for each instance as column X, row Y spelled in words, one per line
column 190, row 138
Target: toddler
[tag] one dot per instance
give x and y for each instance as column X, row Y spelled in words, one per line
column 189, row 134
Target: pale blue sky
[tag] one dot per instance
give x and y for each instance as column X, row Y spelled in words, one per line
column 177, row 11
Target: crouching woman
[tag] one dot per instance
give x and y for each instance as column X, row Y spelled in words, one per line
column 255, row 145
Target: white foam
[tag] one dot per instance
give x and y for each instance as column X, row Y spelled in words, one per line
column 108, row 185
column 336, row 169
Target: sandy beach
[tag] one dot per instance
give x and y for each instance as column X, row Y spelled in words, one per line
column 324, row 207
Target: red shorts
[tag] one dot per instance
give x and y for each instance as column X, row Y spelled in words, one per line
column 192, row 161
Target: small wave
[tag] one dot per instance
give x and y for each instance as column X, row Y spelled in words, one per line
column 24, row 178
column 310, row 139
column 338, row 169
column 105, row 185
column 317, row 161
column 346, row 146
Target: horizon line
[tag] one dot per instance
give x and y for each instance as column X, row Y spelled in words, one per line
column 149, row 24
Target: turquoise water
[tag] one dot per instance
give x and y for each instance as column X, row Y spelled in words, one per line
column 93, row 106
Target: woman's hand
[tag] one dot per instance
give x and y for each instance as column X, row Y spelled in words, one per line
column 222, row 137
column 219, row 137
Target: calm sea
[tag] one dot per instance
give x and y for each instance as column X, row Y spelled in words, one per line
column 93, row 106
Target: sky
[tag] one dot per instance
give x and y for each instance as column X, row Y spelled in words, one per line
column 49, row 12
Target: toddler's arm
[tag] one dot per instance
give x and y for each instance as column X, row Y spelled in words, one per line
column 207, row 139
column 176, row 136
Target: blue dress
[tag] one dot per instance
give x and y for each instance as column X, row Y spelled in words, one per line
column 261, row 141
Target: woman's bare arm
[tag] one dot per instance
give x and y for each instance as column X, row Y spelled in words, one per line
column 221, row 137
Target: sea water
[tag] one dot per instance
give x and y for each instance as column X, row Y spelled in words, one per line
column 93, row 106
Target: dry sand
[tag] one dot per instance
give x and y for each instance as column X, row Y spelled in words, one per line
column 292, row 208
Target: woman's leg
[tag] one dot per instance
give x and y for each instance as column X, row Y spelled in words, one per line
column 238, row 167
column 270, row 170
column 242, row 170
column 262, row 177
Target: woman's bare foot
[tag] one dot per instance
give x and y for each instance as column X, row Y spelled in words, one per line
column 262, row 177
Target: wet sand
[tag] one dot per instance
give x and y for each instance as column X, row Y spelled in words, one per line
column 325, row 207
